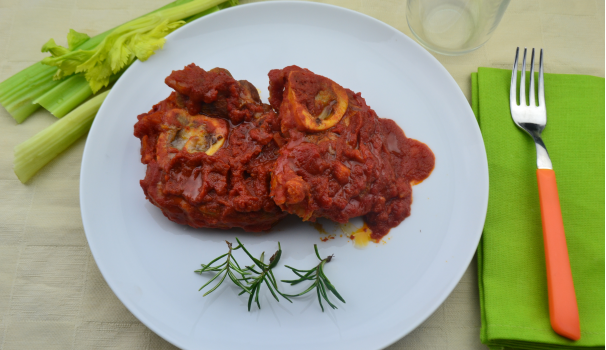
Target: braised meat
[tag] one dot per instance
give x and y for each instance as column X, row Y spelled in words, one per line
column 209, row 152
column 337, row 158
column 218, row 157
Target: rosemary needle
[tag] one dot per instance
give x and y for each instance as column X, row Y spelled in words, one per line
column 320, row 282
column 265, row 275
column 251, row 277
column 225, row 269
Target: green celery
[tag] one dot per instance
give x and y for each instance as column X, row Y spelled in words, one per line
column 137, row 39
column 37, row 151
column 68, row 95
column 18, row 93
column 65, row 96
column 210, row 10
column 73, row 90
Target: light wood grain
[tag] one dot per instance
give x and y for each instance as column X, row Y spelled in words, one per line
column 52, row 295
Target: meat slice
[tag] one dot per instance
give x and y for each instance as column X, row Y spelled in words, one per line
column 209, row 151
column 337, row 158
column 216, row 93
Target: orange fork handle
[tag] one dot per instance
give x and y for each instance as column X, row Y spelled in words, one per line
column 563, row 309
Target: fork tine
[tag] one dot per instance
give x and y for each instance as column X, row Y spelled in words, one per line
column 541, row 84
column 523, row 81
column 514, row 83
column 531, row 86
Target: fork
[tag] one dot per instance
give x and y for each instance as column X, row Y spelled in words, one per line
column 563, row 309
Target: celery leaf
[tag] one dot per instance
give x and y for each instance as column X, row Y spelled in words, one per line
column 75, row 39
column 137, row 40
column 54, row 49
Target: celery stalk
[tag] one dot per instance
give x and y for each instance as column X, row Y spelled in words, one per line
column 18, row 93
column 37, row 151
column 209, row 11
column 68, row 95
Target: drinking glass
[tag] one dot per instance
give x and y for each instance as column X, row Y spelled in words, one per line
column 454, row 27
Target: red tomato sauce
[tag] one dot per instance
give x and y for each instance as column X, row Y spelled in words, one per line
column 218, row 157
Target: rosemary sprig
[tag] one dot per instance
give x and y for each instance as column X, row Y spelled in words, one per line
column 226, row 269
column 321, row 282
column 265, row 275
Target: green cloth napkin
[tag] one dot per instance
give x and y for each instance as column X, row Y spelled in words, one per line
column 511, row 261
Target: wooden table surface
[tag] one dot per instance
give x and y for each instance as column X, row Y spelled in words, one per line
column 52, row 296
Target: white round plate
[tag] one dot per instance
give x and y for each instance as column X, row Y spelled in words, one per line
column 390, row 287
